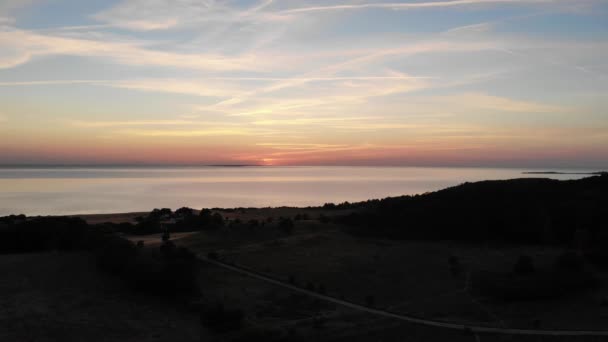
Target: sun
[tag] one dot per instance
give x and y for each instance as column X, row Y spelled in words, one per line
column 268, row 161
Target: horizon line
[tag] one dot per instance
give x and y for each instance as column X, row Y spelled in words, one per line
column 151, row 165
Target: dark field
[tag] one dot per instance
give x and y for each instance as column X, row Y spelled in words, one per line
column 62, row 297
column 310, row 274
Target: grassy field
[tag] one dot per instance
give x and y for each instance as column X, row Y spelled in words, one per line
column 62, row 297
column 411, row 277
column 53, row 295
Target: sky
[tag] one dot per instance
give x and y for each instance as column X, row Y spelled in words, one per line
column 514, row 83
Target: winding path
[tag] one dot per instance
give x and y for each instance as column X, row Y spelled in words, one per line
column 473, row 329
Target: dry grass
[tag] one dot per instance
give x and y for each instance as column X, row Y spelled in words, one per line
column 62, row 297
column 411, row 277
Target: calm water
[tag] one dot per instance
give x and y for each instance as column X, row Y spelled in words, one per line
column 34, row 191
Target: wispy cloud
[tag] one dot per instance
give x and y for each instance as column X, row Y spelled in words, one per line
column 410, row 5
column 497, row 103
column 473, row 28
column 144, row 15
column 106, row 124
column 29, row 44
column 211, row 132
column 311, row 121
column 6, row 20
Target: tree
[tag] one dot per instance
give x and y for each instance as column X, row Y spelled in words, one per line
column 524, row 265
column 220, row 319
column 286, row 225
column 455, row 266
column 370, row 301
column 184, row 212
column 166, row 235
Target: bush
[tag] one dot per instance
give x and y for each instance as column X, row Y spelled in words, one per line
column 184, row 212
column 524, row 266
column 213, row 256
column 114, row 253
column 19, row 234
column 536, row 286
column 455, row 267
column 268, row 335
column 370, row 301
column 219, row 319
column 321, row 289
column 286, row 225
column 570, row 262
column 210, row 220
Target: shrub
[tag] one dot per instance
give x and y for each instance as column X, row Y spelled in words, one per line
column 219, row 319
column 370, row 301
column 321, row 289
column 114, row 253
column 536, row 286
column 19, row 234
column 524, row 265
column 286, row 225
column 570, row 262
column 213, row 256
column 184, row 212
column 455, row 267
column 268, row 335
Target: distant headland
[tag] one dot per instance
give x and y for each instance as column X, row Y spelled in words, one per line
column 598, row 173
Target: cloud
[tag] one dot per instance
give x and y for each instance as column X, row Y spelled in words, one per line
column 497, row 103
column 6, row 21
column 10, row 59
column 171, row 128
column 10, row 5
column 471, row 29
column 311, row 121
column 409, row 5
column 28, row 44
column 143, row 15
column 185, row 133
column 106, row 124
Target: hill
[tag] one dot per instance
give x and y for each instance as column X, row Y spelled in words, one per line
column 526, row 210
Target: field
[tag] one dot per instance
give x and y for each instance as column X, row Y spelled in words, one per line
column 410, row 277
column 53, row 295
column 62, row 297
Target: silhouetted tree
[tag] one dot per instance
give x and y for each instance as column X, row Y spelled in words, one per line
column 455, row 267
column 220, row 319
column 370, row 301
column 524, row 265
column 184, row 212
column 286, row 225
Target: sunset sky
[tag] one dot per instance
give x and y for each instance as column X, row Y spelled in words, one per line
column 294, row 82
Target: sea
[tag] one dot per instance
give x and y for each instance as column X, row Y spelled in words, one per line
column 95, row 190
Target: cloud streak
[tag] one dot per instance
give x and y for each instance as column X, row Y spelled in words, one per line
column 411, row 5
column 31, row 44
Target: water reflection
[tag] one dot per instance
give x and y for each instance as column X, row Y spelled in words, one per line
column 105, row 190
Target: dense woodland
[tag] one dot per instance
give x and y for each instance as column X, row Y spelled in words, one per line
column 519, row 210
